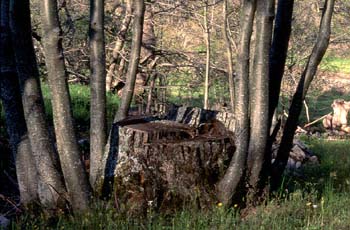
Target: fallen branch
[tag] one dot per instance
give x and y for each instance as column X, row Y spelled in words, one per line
column 318, row 119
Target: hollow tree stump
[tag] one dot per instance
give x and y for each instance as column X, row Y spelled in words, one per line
column 166, row 164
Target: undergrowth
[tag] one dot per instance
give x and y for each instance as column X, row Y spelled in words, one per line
column 319, row 199
column 80, row 97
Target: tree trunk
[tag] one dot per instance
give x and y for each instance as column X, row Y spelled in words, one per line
column 299, row 96
column 121, row 37
column 109, row 158
column 207, row 60
column 50, row 183
column 76, row 179
column 51, row 186
column 229, row 183
column 98, row 89
column 150, row 93
column 259, row 129
column 27, row 175
column 229, row 58
column 128, row 89
column 278, row 52
column 22, row 157
column 165, row 170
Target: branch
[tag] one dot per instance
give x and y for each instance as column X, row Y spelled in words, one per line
column 318, row 119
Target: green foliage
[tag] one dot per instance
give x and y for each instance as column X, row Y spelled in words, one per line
column 80, row 95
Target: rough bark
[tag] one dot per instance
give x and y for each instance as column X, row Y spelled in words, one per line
column 229, row 58
column 166, row 164
column 308, row 74
column 259, row 128
column 98, row 88
column 229, row 183
column 51, row 187
column 76, row 179
column 278, row 52
column 121, row 37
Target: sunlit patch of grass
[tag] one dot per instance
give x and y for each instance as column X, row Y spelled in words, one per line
column 336, row 64
column 319, row 103
column 80, row 99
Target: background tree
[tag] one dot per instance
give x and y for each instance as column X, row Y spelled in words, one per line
column 117, row 59
column 230, row 71
column 133, row 62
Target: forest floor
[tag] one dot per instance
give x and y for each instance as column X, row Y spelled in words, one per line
column 317, row 197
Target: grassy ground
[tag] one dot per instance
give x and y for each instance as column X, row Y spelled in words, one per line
column 336, row 64
column 80, row 95
column 320, row 199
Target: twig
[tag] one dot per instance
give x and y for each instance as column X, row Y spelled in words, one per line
column 307, row 111
column 10, row 202
column 318, row 119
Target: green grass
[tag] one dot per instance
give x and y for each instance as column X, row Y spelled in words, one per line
column 319, row 200
column 336, row 64
column 319, row 104
column 80, row 95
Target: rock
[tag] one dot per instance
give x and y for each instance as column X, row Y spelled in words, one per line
column 297, row 153
column 313, row 159
column 291, row 163
column 298, row 164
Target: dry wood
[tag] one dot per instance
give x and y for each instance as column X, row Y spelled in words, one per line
column 318, row 119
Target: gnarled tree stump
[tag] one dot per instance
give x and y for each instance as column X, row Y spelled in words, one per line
column 169, row 163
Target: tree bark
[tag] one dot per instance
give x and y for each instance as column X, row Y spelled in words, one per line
column 229, row 183
column 259, row 128
column 76, row 179
column 98, row 88
column 295, row 109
